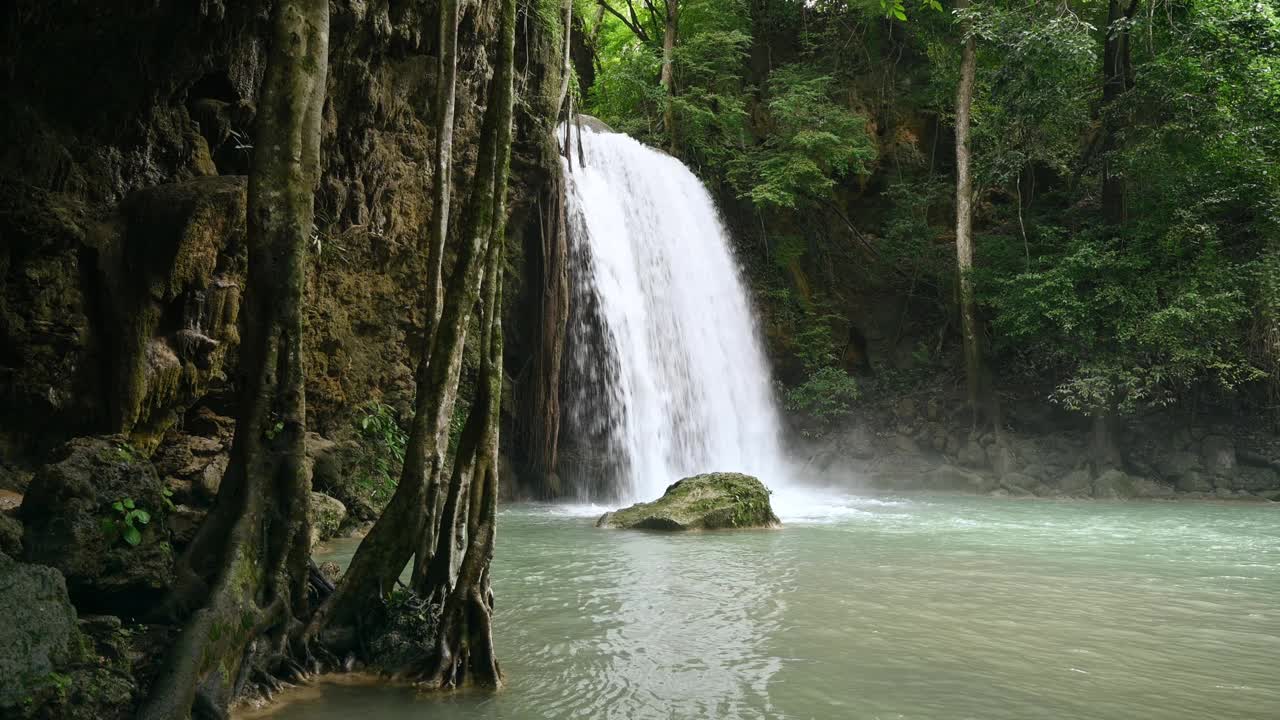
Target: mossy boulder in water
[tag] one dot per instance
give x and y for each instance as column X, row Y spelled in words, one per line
column 703, row 502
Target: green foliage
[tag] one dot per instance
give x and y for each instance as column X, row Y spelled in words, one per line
column 897, row 10
column 822, row 115
column 1132, row 321
column 1040, row 76
column 121, row 452
column 827, row 393
column 126, row 522
column 825, row 397
column 710, row 106
column 626, row 94
column 710, row 109
column 272, row 432
column 382, row 443
column 813, row 143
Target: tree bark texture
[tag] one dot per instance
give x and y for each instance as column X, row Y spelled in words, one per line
column 668, row 80
column 249, row 561
column 964, row 218
column 442, row 183
column 565, row 69
column 465, row 652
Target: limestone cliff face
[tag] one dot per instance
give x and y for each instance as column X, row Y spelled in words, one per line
column 128, row 130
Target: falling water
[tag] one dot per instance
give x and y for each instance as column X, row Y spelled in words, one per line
column 667, row 375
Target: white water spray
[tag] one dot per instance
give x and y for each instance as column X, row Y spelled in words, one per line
column 663, row 336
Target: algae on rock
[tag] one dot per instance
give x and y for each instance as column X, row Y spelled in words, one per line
column 712, row 501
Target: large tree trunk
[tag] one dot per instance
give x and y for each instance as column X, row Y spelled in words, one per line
column 668, row 72
column 410, row 524
column 1117, row 79
column 254, row 547
column 964, row 220
column 464, row 652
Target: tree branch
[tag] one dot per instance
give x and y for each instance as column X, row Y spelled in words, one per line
column 635, row 27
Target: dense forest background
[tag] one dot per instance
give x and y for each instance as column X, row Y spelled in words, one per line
column 1124, row 191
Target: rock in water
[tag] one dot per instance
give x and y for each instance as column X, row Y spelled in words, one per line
column 703, row 502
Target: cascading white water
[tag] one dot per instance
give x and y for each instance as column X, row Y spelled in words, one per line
column 663, row 336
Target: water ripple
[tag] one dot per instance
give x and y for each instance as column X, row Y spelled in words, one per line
column 947, row 608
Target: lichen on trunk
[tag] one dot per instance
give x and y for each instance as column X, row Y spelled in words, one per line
column 423, row 519
column 247, row 567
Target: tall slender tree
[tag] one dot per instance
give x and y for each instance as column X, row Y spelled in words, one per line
column 412, row 524
column 1117, row 79
column 964, row 214
column 246, row 570
column 668, row 78
column 441, row 194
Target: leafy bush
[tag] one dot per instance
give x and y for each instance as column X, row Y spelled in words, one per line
column 814, row 142
column 382, row 442
column 126, row 522
column 824, row 398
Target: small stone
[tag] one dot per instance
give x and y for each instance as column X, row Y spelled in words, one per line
column 1113, row 484
column 183, row 522
column 327, row 515
column 1017, row 482
column 1218, row 453
column 860, row 442
column 973, row 455
column 905, row 409
column 1193, row 481
column 9, row 500
column 331, row 571
column 1076, row 482
column 904, row 443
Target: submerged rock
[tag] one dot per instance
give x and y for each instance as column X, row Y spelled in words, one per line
column 703, row 502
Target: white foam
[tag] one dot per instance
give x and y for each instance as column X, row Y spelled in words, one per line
column 691, row 389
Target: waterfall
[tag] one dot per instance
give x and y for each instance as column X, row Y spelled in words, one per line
column 667, row 377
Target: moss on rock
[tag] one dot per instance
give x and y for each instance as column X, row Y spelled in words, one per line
column 703, row 502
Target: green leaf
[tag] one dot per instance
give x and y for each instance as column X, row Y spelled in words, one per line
column 118, row 506
column 132, row 535
column 899, row 13
column 128, row 502
column 142, row 516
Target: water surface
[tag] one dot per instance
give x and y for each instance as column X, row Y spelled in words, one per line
column 873, row 608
